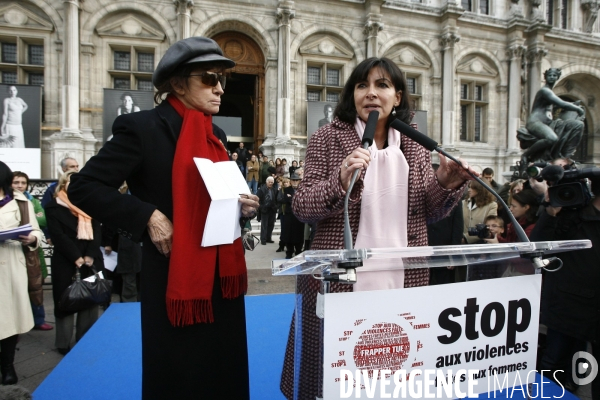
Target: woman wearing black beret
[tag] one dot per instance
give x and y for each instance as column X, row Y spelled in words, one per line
column 192, row 297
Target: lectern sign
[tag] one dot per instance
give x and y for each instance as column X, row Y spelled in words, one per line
column 444, row 341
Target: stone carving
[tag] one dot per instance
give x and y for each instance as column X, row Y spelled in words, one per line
column 591, row 14
column 545, row 138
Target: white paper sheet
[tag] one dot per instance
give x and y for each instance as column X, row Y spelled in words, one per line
column 93, row 277
column 224, row 184
column 110, row 261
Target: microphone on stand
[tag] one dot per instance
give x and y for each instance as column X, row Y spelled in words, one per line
column 432, row 145
column 353, row 261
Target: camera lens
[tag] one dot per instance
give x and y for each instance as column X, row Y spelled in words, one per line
column 566, row 194
column 533, row 171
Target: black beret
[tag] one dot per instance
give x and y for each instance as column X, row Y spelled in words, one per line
column 188, row 51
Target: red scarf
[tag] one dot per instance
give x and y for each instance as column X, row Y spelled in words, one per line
column 192, row 267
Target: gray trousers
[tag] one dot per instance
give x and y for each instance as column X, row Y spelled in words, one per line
column 64, row 327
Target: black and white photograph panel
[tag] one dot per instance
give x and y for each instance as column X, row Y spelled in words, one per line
column 118, row 102
column 21, row 128
column 319, row 113
column 21, row 116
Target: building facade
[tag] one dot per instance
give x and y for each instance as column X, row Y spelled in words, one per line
column 473, row 65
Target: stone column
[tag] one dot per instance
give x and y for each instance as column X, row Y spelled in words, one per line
column 70, row 89
column 285, row 13
column 184, row 16
column 534, row 55
column 514, row 54
column 372, row 28
column 447, row 42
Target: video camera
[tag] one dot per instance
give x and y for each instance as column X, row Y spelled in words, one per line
column 567, row 186
column 482, row 231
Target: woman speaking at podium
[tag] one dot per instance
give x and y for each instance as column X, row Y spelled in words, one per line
column 393, row 199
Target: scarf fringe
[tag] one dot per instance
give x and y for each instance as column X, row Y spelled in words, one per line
column 189, row 312
column 234, row 286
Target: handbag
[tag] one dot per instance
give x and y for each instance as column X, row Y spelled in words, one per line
column 81, row 294
column 32, row 262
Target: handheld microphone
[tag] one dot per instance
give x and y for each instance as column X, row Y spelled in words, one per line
column 367, row 140
column 431, row 145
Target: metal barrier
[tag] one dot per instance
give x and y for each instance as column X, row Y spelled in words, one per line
column 37, row 188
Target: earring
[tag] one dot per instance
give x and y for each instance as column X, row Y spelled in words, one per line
column 394, row 111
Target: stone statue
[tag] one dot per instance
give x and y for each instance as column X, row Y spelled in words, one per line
column 545, row 138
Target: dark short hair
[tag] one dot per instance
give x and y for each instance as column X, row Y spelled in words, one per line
column 6, row 178
column 20, row 174
column 346, row 109
column 487, row 171
column 527, row 197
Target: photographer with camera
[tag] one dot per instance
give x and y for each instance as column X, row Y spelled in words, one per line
column 476, row 209
column 570, row 305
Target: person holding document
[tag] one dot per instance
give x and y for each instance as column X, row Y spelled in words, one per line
column 15, row 309
column 395, row 196
column 192, row 298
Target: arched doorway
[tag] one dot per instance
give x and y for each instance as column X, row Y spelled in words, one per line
column 242, row 106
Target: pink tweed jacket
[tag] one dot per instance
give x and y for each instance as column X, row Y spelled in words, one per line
column 320, row 197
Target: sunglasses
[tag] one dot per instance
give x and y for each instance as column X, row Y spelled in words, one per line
column 211, row 79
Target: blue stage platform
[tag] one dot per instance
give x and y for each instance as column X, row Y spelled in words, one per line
column 106, row 363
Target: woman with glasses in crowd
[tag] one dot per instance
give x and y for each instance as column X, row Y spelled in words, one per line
column 192, row 297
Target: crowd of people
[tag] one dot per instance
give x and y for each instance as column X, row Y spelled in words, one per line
column 143, row 185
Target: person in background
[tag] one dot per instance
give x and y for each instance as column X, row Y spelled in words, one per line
column 293, row 167
column 479, row 204
column 394, row 165
column 293, row 234
column 301, row 164
column 445, row 232
column 570, row 304
column 495, row 224
column 235, row 158
column 21, row 183
column 487, row 175
column 285, row 167
column 524, row 206
column 128, row 105
column 77, row 240
column 242, row 153
column 267, row 195
column 279, row 167
column 253, row 169
column 192, row 306
column 15, row 308
column 285, row 183
column 264, row 169
column 66, row 164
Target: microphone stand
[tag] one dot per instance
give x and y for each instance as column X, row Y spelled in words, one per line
column 431, row 145
column 354, row 260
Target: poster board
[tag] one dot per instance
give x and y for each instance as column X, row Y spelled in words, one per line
column 20, row 129
column 118, row 101
column 483, row 332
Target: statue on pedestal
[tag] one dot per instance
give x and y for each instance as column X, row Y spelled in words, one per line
column 547, row 138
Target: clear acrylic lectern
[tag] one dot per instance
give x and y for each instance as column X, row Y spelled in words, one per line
column 316, row 273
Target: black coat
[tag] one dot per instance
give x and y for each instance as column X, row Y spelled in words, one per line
column 176, row 362
column 292, row 230
column 571, row 296
column 67, row 249
column 261, row 193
